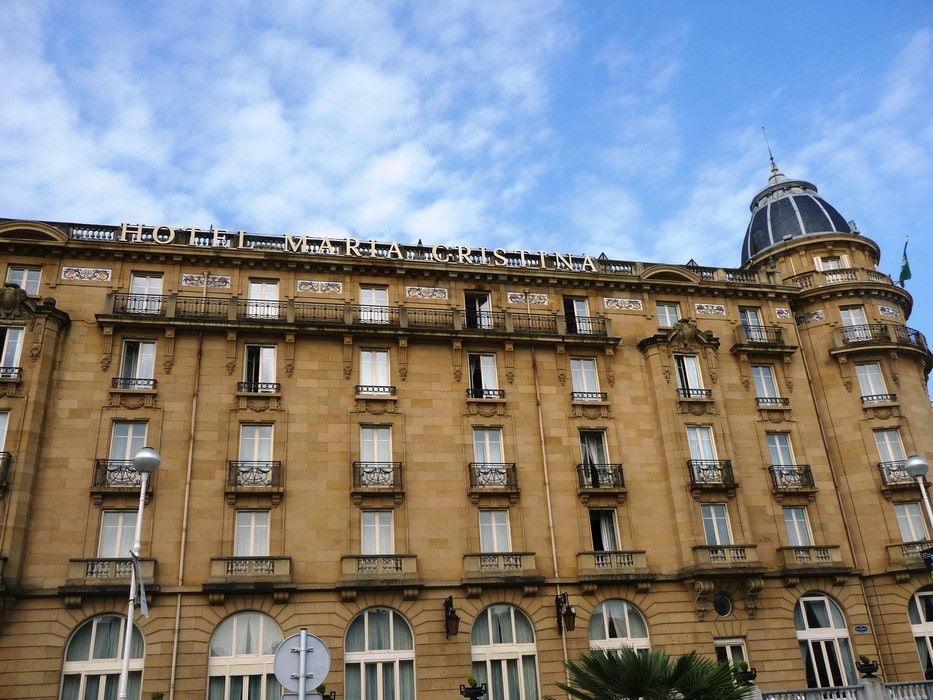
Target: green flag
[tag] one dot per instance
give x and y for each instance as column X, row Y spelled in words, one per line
column 905, row 266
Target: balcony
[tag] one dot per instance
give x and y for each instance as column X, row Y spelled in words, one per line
column 481, row 394
column 792, row 478
column 260, row 309
column 104, row 577
column 907, row 556
column 378, row 571
column 375, row 390
column 6, row 469
column 133, row 384
column 249, row 575
column 612, row 566
column 711, row 474
column 894, row 475
column 117, row 476
column 874, row 399
column 695, row 394
column 493, row 476
column 258, row 387
column 726, row 558
column 589, row 396
column 245, row 478
column 501, row 568
column 881, row 336
column 762, row 339
column 822, row 278
column 149, row 304
column 585, row 325
column 810, row 559
column 772, row 401
column 377, row 475
column 11, row 374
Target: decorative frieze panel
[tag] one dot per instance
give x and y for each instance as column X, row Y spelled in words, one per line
column 319, row 287
column 86, row 274
column 617, row 304
column 201, row 281
column 426, row 293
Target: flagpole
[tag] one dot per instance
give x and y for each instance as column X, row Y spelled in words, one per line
column 905, row 266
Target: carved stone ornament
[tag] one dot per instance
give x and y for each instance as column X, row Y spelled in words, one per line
column 13, row 302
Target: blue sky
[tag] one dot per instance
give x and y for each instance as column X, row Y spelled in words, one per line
column 630, row 128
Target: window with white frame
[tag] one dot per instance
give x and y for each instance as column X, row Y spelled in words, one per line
column 871, row 382
column 766, row 390
column 374, row 304
column 374, row 373
column 137, row 365
column 689, row 377
column 824, row 642
column 577, row 315
column 668, row 314
column 251, row 538
column 376, row 466
column 117, row 534
column 832, row 262
column 750, row 317
column 11, row 345
column 259, row 369
column 487, row 446
column 478, row 310
column 483, row 381
column 256, row 442
column 716, row 524
column 126, row 439
column 703, row 458
column 263, row 298
column 855, row 326
column 494, row 531
column 797, row 526
column 779, row 449
column 242, row 652
column 910, row 522
column 94, row 660
column 379, row 657
column 617, row 624
column 145, row 293
column 920, row 614
column 4, row 426
column 730, row 651
column 504, row 653
column 584, row 379
column 604, row 530
column 596, row 471
column 890, row 448
column 27, row 278
column 376, row 536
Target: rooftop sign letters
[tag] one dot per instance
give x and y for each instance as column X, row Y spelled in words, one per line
column 351, row 247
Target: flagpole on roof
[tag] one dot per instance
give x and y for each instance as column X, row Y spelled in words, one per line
column 905, row 266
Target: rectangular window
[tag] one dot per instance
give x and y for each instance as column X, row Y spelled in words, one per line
column 117, row 534
column 593, row 447
column 766, row 391
column 145, row 293
column 910, row 521
column 730, row 651
column 751, row 323
column 11, row 345
column 604, row 531
column 870, row 382
column 855, row 326
column 127, row 438
column 584, row 379
column 478, row 310
column 701, row 443
column 830, row 262
column 376, row 444
column 487, row 446
column 251, row 538
column 668, row 314
column 483, row 381
column 4, row 426
column 374, row 303
column 263, row 298
column 27, row 278
column 889, row 446
column 577, row 315
column 494, row 531
column 137, row 366
column 374, row 372
column 798, row 527
column 259, row 369
column 255, row 442
column 376, row 532
column 779, row 449
column 689, row 378
column 716, row 524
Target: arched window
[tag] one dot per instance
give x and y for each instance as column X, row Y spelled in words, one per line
column 503, row 650
column 824, row 642
column 242, row 651
column 94, row 659
column 920, row 613
column 616, row 624
column 379, row 657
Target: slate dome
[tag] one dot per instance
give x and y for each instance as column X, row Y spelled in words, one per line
column 787, row 209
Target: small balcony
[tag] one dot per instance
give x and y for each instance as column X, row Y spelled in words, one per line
column 133, row 384
column 493, row 476
column 254, row 475
column 600, row 476
column 908, row 555
column 694, row 394
column 711, row 473
column 585, row 325
column 104, row 577
column 383, row 391
column 875, row 399
column 261, row 310
column 809, row 559
column 881, row 336
column 589, row 396
column 11, row 374
column 894, row 475
column 249, row 575
column 379, row 315
column 762, row 339
column 378, row 570
column 117, row 476
column 132, row 304
column 723, row 558
column 772, row 401
column 613, row 566
column 258, row 387
column 377, row 477
column 6, row 469
column 792, row 478
column 479, row 394
column 501, row 568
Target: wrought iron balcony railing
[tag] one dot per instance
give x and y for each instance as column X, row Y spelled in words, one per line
column 133, row 383
column 590, row 325
column 588, row 396
column 881, row 334
column 710, row 472
column 375, row 390
column 430, row 318
column 14, row 374
column 485, row 393
column 791, row 476
column 760, row 335
column 258, row 387
column 377, row 475
column 251, row 474
column 139, row 304
column 772, row 401
column 206, row 308
column 116, row 474
column 385, row 315
column 600, row 476
column 261, row 309
column 879, row 398
column 493, row 475
column 895, row 473
column 695, row 393
column 483, row 319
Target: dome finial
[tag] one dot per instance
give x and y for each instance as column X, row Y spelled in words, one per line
column 776, row 175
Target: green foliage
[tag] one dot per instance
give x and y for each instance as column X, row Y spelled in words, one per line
column 625, row 674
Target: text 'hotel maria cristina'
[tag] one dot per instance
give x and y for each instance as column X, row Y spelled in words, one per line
column 451, row 462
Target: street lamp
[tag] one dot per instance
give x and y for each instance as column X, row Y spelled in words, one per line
column 145, row 462
column 917, row 467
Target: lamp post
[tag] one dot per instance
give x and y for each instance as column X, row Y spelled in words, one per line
column 917, row 467
column 145, row 462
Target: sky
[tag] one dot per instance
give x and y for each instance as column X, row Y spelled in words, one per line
column 627, row 128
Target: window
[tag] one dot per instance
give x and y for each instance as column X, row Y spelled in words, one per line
column 379, row 657
column 376, row 444
column 117, row 534
column 595, row 470
column 128, row 438
column 241, row 656
column 890, row 449
column 920, row 614
column 668, row 314
column 701, row 443
column 604, row 531
column 871, row 383
column 483, row 381
column 4, row 424
column 824, row 642
column 255, row 442
column 689, row 378
column 730, row 651
column 145, row 293
column 910, row 521
column 137, row 365
column 377, row 532
column 616, row 624
column 577, row 315
column 487, row 445
column 584, row 379
column 716, row 524
column 504, row 654
column 374, row 303
column 779, row 449
column 259, row 370
column 11, row 343
column 251, row 538
column 494, row 531
column 766, row 391
column 751, row 323
column 263, row 299
column 798, row 527
column 830, row 262
column 855, row 327
column 94, row 660
column 374, row 373
column 478, row 310
column 27, row 278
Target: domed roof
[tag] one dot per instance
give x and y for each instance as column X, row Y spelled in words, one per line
column 787, row 209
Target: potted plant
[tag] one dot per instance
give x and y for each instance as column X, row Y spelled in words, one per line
column 743, row 674
column 866, row 666
column 156, row 695
column 473, row 689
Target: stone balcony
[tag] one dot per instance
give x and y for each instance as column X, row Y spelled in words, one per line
column 249, row 575
column 501, row 569
column 104, row 577
column 379, row 571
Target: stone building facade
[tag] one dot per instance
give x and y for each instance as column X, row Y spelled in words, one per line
column 386, row 444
